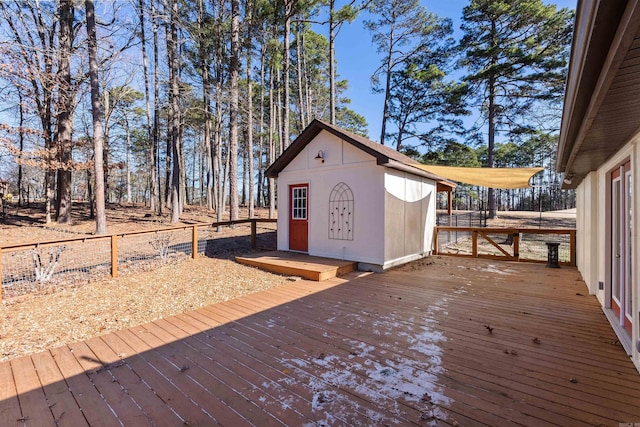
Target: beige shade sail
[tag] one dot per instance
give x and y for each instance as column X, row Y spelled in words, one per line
column 485, row 177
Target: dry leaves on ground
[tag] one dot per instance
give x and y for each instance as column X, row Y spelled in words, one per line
column 36, row 322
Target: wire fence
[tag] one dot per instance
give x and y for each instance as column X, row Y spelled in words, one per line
column 462, row 219
column 522, row 244
column 457, row 238
column 49, row 266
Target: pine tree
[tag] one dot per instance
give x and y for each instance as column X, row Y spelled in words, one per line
column 98, row 143
column 516, row 53
column 400, row 34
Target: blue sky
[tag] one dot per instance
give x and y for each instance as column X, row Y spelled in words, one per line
column 357, row 59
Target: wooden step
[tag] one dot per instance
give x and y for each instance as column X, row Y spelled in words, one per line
column 295, row 264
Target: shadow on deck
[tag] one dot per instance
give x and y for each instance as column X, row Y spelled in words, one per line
column 441, row 341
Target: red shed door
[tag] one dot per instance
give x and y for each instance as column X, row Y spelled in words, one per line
column 299, row 217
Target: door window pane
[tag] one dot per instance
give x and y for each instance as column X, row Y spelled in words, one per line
column 299, row 203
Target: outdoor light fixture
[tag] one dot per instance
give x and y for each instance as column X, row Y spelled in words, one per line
column 568, row 179
column 320, row 156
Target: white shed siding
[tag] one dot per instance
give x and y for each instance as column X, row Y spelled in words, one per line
column 594, row 234
column 410, row 217
column 586, row 239
column 362, row 175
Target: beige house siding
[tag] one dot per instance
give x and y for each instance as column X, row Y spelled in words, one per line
column 594, row 237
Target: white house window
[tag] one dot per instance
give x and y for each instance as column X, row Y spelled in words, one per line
column 299, row 203
column 341, row 212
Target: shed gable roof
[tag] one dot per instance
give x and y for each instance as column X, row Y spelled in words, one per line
column 385, row 156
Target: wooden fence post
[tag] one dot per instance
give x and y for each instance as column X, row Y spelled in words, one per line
column 572, row 248
column 435, row 241
column 114, row 256
column 516, row 245
column 474, row 243
column 194, row 244
column 254, row 227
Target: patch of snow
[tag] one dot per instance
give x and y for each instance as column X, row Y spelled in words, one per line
column 384, row 380
column 493, row 269
column 299, row 362
column 387, row 373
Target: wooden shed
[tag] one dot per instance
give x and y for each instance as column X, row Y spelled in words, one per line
column 343, row 196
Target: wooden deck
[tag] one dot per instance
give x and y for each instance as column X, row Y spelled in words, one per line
column 296, row 264
column 444, row 341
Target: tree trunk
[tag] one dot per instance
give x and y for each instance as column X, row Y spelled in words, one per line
column 183, row 167
column 156, row 105
column 152, row 156
column 249, row 23
column 387, row 90
column 91, row 197
column 299, row 47
column 98, row 165
column 64, row 113
column 234, row 66
column 168, row 158
column 107, row 111
column 21, row 147
column 491, row 198
column 217, row 158
column 263, row 49
column 128, row 158
column 172, row 43
column 206, row 100
column 278, row 114
column 272, row 148
column 332, row 69
column 288, row 11
column 245, row 168
column 218, row 181
column 307, row 92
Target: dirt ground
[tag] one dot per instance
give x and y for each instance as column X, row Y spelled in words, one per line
column 21, row 225
column 32, row 323
column 556, row 219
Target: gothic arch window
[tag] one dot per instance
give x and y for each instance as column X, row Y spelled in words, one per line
column 341, row 212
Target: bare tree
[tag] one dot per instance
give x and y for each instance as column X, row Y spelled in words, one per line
column 34, row 64
column 249, row 50
column 64, row 112
column 234, row 66
column 174, row 84
column 101, row 219
column 289, row 11
column 153, row 197
column 156, row 100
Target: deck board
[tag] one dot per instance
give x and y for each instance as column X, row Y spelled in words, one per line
column 62, row 403
column 194, row 403
column 93, row 406
column 137, row 379
column 302, row 265
column 140, row 404
column 409, row 346
column 317, row 331
column 9, row 404
column 33, row 403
